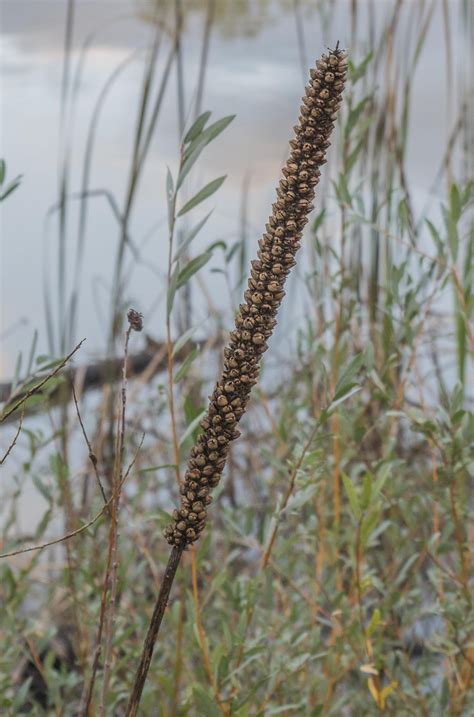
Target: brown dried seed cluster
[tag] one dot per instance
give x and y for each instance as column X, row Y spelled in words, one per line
column 135, row 319
column 257, row 316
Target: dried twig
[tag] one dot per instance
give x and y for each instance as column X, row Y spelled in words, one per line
column 15, row 438
column 135, row 324
column 92, row 456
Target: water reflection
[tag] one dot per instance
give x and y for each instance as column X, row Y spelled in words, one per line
column 255, row 76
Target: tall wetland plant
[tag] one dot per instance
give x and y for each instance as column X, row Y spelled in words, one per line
column 254, row 325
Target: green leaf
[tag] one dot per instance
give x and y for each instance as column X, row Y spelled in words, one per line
column 354, row 115
column 453, row 238
column 318, row 221
column 368, row 525
column 46, row 364
column 204, row 704
column 342, row 191
column 357, row 72
column 192, row 234
column 10, row 188
column 192, row 267
column 366, row 491
column 219, row 244
column 152, row 469
column 374, row 622
column 203, row 194
column 346, row 382
column 455, row 203
column 43, row 524
column 284, row 709
column 445, row 694
column 184, row 338
column 301, row 497
column 42, row 358
column 344, row 397
column 403, row 214
column 3, row 169
column 351, row 160
column 42, row 488
column 185, row 366
column 33, row 401
column 52, row 384
column 197, row 145
column 406, row 568
column 352, row 495
column 436, row 237
column 196, row 128
column 375, row 378
column 21, row 694
column 209, row 134
column 192, row 426
column 380, row 482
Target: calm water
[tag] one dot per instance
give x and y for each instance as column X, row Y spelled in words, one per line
column 258, row 78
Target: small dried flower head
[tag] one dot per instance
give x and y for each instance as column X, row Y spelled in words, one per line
column 257, row 317
column 135, row 319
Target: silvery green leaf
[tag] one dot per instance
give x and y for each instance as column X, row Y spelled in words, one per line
column 196, row 128
column 197, row 145
column 192, row 267
column 192, row 234
column 203, row 194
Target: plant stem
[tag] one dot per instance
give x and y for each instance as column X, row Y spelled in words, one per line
column 156, row 619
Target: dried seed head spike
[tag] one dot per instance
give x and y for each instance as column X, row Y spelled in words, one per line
column 257, row 315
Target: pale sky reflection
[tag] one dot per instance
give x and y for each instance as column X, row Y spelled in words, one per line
column 256, row 78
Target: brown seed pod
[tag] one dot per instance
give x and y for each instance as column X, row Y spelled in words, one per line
column 257, row 314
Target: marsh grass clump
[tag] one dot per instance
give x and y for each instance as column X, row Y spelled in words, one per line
column 256, row 318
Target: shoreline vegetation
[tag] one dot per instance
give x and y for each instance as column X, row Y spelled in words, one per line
column 331, row 570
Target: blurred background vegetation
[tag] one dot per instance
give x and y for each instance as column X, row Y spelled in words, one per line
column 336, row 573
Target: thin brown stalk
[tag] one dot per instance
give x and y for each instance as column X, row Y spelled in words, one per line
column 14, row 440
column 92, row 456
column 107, row 609
column 114, row 533
column 153, row 629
